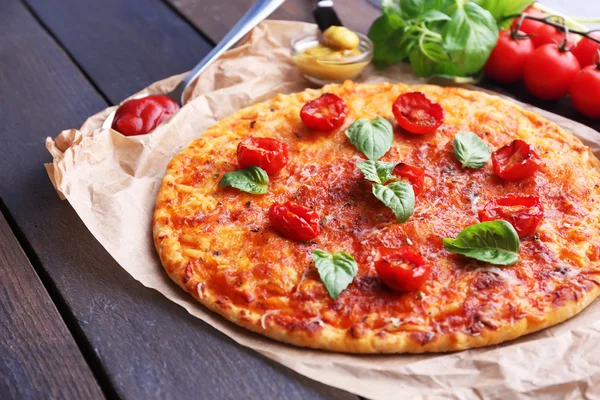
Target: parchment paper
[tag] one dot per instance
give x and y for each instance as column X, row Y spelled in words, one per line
column 111, row 181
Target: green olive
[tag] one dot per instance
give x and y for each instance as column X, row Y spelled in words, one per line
column 339, row 37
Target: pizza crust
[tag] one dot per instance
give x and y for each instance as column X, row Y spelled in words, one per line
column 183, row 265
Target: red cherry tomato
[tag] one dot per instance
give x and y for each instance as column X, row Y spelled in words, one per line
column 415, row 113
column 524, row 213
column 548, row 34
column 268, row 154
column 140, row 116
column 585, row 91
column 517, row 160
column 586, row 50
column 507, row 61
column 414, row 175
column 549, row 72
column 528, row 25
column 294, row 221
column 325, row 114
column 401, row 268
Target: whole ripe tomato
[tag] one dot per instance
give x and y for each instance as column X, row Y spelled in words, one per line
column 401, row 268
column 524, row 213
column 266, row 153
column 506, row 63
column 517, row 160
column 140, row 116
column 586, row 50
column 585, row 91
column 528, row 25
column 414, row 175
column 294, row 221
column 325, row 114
column 548, row 34
column 549, row 71
column 415, row 113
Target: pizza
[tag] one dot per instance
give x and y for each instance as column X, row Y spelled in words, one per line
column 384, row 218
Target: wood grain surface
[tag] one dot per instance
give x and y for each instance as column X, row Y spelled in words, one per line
column 38, row 356
column 143, row 345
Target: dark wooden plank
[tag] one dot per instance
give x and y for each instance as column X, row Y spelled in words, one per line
column 39, row 358
column 146, row 346
column 123, row 46
column 216, row 17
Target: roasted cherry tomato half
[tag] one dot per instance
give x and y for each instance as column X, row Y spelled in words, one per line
column 517, row 160
column 524, row 213
column 401, row 268
column 140, row 116
column 325, row 114
column 414, row 175
column 294, row 221
column 268, row 154
column 415, row 113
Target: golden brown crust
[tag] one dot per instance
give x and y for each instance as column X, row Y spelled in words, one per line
column 216, row 243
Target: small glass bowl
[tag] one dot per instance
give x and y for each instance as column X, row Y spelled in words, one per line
column 322, row 71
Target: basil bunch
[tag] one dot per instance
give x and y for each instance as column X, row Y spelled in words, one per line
column 450, row 38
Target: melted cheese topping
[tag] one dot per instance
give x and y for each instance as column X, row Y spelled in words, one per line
column 223, row 236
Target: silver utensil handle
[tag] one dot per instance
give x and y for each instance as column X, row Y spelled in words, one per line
column 258, row 12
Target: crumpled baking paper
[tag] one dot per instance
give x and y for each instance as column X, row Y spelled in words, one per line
column 111, row 181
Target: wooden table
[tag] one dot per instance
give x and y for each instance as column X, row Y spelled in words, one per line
column 74, row 323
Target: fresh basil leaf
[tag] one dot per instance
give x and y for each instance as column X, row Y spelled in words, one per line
column 377, row 171
column 495, row 242
column 470, row 150
column 372, row 137
column 399, row 197
column 336, row 270
column 434, row 51
column 432, row 16
column 387, row 34
column 500, row 9
column 420, row 63
column 251, row 179
column 469, row 38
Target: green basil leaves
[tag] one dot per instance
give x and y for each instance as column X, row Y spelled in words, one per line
column 377, row 171
column 252, row 180
column 451, row 38
column 495, row 242
column 336, row 270
column 470, row 150
column 371, row 137
column 398, row 196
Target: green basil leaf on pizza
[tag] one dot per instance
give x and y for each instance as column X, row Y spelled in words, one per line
column 470, row 150
column 398, row 196
column 337, row 270
column 251, row 180
column 377, row 171
column 494, row 242
column 372, row 137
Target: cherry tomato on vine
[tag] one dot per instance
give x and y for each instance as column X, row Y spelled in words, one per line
column 401, row 268
column 268, row 154
column 585, row 91
column 586, row 50
column 549, row 71
column 529, row 25
column 294, row 221
column 324, row 114
column 415, row 113
column 140, row 116
column 524, row 213
column 506, row 63
column 548, row 34
column 517, row 160
column 414, row 175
